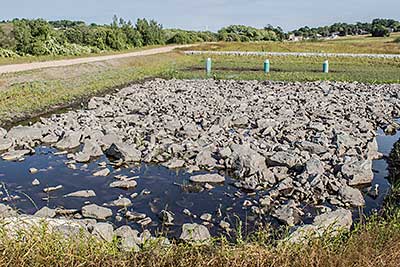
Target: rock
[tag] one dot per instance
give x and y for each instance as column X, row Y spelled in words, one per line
column 122, row 202
column 358, row 172
column 313, row 148
column 191, row 130
column 92, row 149
column 287, row 215
column 206, row 217
column 103, row 172
column 125, row 152
column 135, row 216
column 33, row 170
column 283, row 158
column 82, row 194
column 314, row 167
column 103, row 231
column 144, row 222
column 46, row 213
column 81, row 157
column 207, row 178
column 175, row 164
column 3, row 132
column 5, row 143
column 15, row 155
column 248, row 162
column 205, row 159
column 352, row 196
column 25, row 133
column 96, row 212
column 224, row 225
column 69, row 141
column 52, row 188
column 124, row 184
column 129, row 238
column 6, row 211
column 35, row 182
column 193, row 232
column 330, row 223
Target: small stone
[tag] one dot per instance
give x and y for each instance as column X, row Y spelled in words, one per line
column 35, row 182
column 144, row 222
column 53, row 188
column 122, row 202
column 135, row 216
column 33, row 170
column 224, row 225
column 103, row 172
column 124, row 184
column 206, row 217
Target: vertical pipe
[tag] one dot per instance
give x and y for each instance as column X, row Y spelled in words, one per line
column 208, row 66
column 266, row 66
column 325, row 66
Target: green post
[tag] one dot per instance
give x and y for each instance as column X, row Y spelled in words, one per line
column 325, row 66
column 266, row 66
column 208, row 66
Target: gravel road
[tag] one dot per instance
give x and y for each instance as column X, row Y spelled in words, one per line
column 68, row 62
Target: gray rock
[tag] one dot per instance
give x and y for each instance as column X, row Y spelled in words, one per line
column 287, row 215
column 82, row 194
column 358, row 172
column 167, row 217
column 283, row 158
column 25, row 133
column 69, row 141
column 15, row 155
column 192, row 232
column 46, row 212
column 125, row 152
column 129, row 238
column 104, row 231
column 205, row 159
column 103, row 172
column 207, row 178
column 96, row 212
column 352, row 196
column 124, row 184
column 122, row 202
column 135, row 216
column 5, row 143
column 175, row 164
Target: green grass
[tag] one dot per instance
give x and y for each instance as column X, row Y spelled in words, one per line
column 358, row 44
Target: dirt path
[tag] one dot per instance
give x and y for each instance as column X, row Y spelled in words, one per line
column 68, row 62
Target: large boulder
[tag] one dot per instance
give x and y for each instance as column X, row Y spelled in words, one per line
column 283, row 158
column 358, row 172
column 193, row 232
column 207, row 178
column 248, row 162
column 70, row 140
column 127, row 153
column 352, row 196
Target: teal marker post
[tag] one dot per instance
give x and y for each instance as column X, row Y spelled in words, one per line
column 325, row 66
column 208, row 66
column 266, row 66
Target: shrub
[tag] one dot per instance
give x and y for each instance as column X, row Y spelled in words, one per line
column 380, row 31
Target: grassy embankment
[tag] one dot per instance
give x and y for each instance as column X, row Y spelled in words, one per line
column 374, row 243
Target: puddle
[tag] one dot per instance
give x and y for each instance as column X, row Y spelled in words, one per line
column 167, row 189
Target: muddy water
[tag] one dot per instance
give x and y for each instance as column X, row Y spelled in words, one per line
column 158, row 188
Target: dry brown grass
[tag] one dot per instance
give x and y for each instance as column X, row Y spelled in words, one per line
column 377, row 243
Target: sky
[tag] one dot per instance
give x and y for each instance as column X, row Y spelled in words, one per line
column 207, row 14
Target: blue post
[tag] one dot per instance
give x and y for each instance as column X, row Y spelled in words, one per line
column 325, row 66
column 208, row 66
column 266, row 66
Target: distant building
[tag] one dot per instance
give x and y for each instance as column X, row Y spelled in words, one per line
column 295, row 38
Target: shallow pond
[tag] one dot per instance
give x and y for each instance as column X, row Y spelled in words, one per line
column 158, row 188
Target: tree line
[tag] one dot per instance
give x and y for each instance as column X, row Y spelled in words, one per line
column 377, row 28
column 65, row 37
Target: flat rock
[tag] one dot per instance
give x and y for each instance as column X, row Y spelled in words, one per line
column 127, row 153
column 82, row 194
column 96, row 212
column 46, row 212
column 103, row 172
column 104, row 231
column 15, row 155
column 124, row 184
column 207, row 178
column 358, row 172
